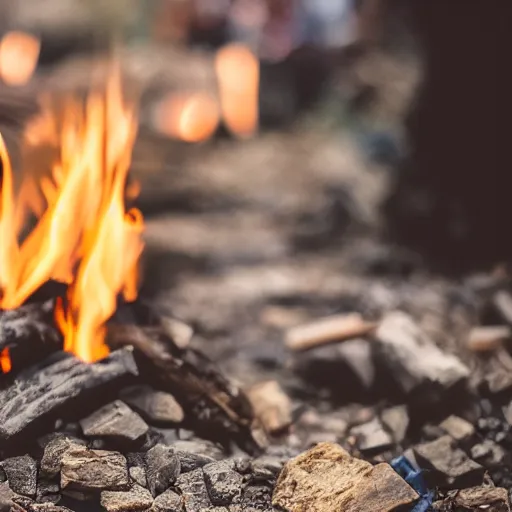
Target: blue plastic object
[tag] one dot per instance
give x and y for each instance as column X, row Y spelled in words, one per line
column 415, row 479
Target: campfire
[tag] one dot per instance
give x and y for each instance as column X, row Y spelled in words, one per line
column 84, row 235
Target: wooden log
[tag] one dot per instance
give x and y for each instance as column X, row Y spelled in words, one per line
column 59, row 385
column 213, row 406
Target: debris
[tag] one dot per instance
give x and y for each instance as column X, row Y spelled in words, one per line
column 396, row 420
column 371, row 436
column 136, row 499
column 333, row 329
column 93, row 470
column 138, row 475
column 162, row 468
column 54, row 450
column 492, row 499
column 484, row 339
column 222, row 482
column 43, row 390
column 193, row 489
column 403, row 466
column 413, row 358
column 458, row 428
column 327, row 478
column 450, row 466
column 114, row 420
column 487, row 451
column 156, row 406
column 271, row 405
column 22, row 475
column 169, row 501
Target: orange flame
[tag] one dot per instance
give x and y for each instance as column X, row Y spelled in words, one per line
column 84, row 236
column 5, row 361
column 192, row 117
column 238, row 76
column 19, row 53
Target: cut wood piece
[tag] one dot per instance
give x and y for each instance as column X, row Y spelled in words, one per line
column 484, row 339
column 42, row 392
column 271, row 405
column 212, row 404
column 332, row 329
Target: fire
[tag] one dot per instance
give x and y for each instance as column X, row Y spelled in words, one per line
column 5, row 361
column 238, row 76
column 19, row 53
column 83, row 236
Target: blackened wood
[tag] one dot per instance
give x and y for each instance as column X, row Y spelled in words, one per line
column 29, row 333
column 44, row 391
column 213, row 405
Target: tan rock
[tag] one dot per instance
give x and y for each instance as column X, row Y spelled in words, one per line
column 328, row 479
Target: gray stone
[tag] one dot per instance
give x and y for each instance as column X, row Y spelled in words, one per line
column 371, row 437
column 396, row 420
column 487, row 452
column 48, row 507
column 134, row 500
column 54, row 450
column 115, row 420
column 413, row 358
column 457, row 428
column 47, row 491
column 162, row 468
column 190, row 461
column 197, row 447
column 156, row 406
column 451, row 466
column 22, row 475
column 327, row 479
column 168, row 501
column 138, row 475
column 93, row 470
column 193, row 489
column 222, row 482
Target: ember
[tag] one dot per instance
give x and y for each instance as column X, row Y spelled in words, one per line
column 84, row 236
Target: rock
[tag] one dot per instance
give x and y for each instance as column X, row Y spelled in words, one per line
column 491, row 499
column 371, row 436
column 271, row 405
column 137, row 498
column 412, row 358
column 327, row 478
column 47, row 491
column 193, row 489
column 450, row 466
column 47, row 507
column 155, row 406
column 162, row 468
column 487, row 452
column 6, row 497
column 255, row 498
column 22, row 475
column 190, row 461
column 168, row 501
column 138, row 475
column 458, row 428
column 54, row 450
column 114, row 420
column 222, row 482
column 196, row 447
column 93, row 470
column 507, row 412
column 396, row 420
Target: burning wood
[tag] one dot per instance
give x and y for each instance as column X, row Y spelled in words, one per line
column 84, row 237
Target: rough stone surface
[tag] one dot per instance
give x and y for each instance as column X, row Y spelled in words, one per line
column 489, row 499
column 162, row 468
column 396, row 420
column 47, row 491
column 371, row 436
column 222, row 482
column 326, row 478
column 22, row 475
column 48, row 507
column 190, row 461
column 457, row 428
column 114, row 420
column 169, row 501
column 138, row 475
column 155, row 406
column 54, row 450
column 487, row 451
column 450, row 466
column 413, row 358
column 193, row 488
column 134, row 500
column 93, row 470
